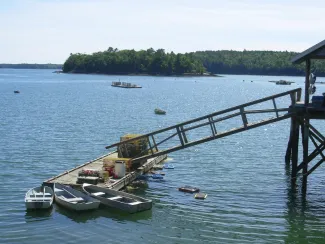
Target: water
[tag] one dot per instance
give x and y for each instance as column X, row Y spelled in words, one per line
column 59, row 121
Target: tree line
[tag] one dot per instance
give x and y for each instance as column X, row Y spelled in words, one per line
column 153, row 62
column 31, row 66
column 158, row 62
column 255, row 63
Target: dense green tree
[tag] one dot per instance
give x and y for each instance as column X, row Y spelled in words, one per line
column 159, row 62
column 31, row 66
column 154, row 62
column 254, row 63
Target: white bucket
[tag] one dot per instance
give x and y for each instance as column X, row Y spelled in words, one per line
column 120, row 169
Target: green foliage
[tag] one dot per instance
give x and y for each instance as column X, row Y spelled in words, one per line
column 158, row 62
column 154, row 62
column 31, row 66
column 254, row 63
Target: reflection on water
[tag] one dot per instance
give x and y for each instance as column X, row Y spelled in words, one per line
column 38, row 214
column 102, row 212
column 300, row 215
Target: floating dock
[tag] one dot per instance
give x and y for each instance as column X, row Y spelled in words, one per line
column 70, row 177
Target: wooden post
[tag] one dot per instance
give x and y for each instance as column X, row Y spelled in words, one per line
column 184, row 135
column 180, row 136
column 307, row 84
column 295, row 144
column 306, row 131
column 289, row 147
column 243, row 115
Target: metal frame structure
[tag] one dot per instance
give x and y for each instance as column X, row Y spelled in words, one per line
column 177, row 136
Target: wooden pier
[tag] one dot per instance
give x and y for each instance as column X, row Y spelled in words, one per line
column 180, row 136
column 301, row 113
column 70, row 177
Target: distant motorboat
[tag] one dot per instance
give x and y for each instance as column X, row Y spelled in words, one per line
column 124, row 85
column 281, row 82
column 16, row 91
column 159, row 111
column 39, row 198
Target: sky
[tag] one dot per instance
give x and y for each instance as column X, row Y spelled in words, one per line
column 47, row 31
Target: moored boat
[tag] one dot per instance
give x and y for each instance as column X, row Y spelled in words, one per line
column 73, row 199
column 117, row 199
column 39, row 198
column 169, row 166
column 159, row 111
column 189, row 189
column 124, row 85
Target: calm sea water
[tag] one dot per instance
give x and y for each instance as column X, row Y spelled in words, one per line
column 59, row 121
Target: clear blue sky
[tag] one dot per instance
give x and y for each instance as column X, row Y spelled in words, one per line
column 47, row 31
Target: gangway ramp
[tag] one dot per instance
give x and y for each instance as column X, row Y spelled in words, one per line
column 179, row 136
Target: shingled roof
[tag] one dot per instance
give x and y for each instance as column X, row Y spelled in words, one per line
column 315, row 52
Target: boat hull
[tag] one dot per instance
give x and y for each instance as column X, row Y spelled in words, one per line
column 39, row 198
column 77, row 206
column 73, row 199
column 38, row 205
column 116, row 199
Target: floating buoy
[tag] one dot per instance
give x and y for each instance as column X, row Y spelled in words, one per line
column 200, row 196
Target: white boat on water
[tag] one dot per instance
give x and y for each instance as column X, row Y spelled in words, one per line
column 72, row 199
column 39, row 198
column 117, row 199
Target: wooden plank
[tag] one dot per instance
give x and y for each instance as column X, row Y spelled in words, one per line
column 274, row 104
column 244, row 118
column 183, row 134
column 180, row 136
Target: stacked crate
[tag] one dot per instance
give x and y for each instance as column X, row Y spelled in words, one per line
column 134, row 148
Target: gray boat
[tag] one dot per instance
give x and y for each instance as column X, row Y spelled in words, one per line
column 73, row 199
column 117, row 199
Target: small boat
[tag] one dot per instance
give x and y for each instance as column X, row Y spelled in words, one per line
column 168, row 166
column 124, row 85
column 16, row 91
column 39, row 198
column 73, row 199
column 117, row 199
column 189, row 189
column 159, row 111
column 157, row 172
column 157, row 176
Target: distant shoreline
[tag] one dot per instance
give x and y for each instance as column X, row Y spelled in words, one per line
column 145, row 74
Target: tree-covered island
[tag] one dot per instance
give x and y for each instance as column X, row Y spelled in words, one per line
column 151, row 62
column 159, row 62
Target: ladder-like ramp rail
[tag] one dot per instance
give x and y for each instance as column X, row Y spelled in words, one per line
column 177, row 137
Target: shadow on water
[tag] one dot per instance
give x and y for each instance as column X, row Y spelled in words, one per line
column 38, row 214
column 302, row 214
column 103, row 212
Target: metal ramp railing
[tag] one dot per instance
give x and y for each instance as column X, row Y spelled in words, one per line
column 177, row 137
